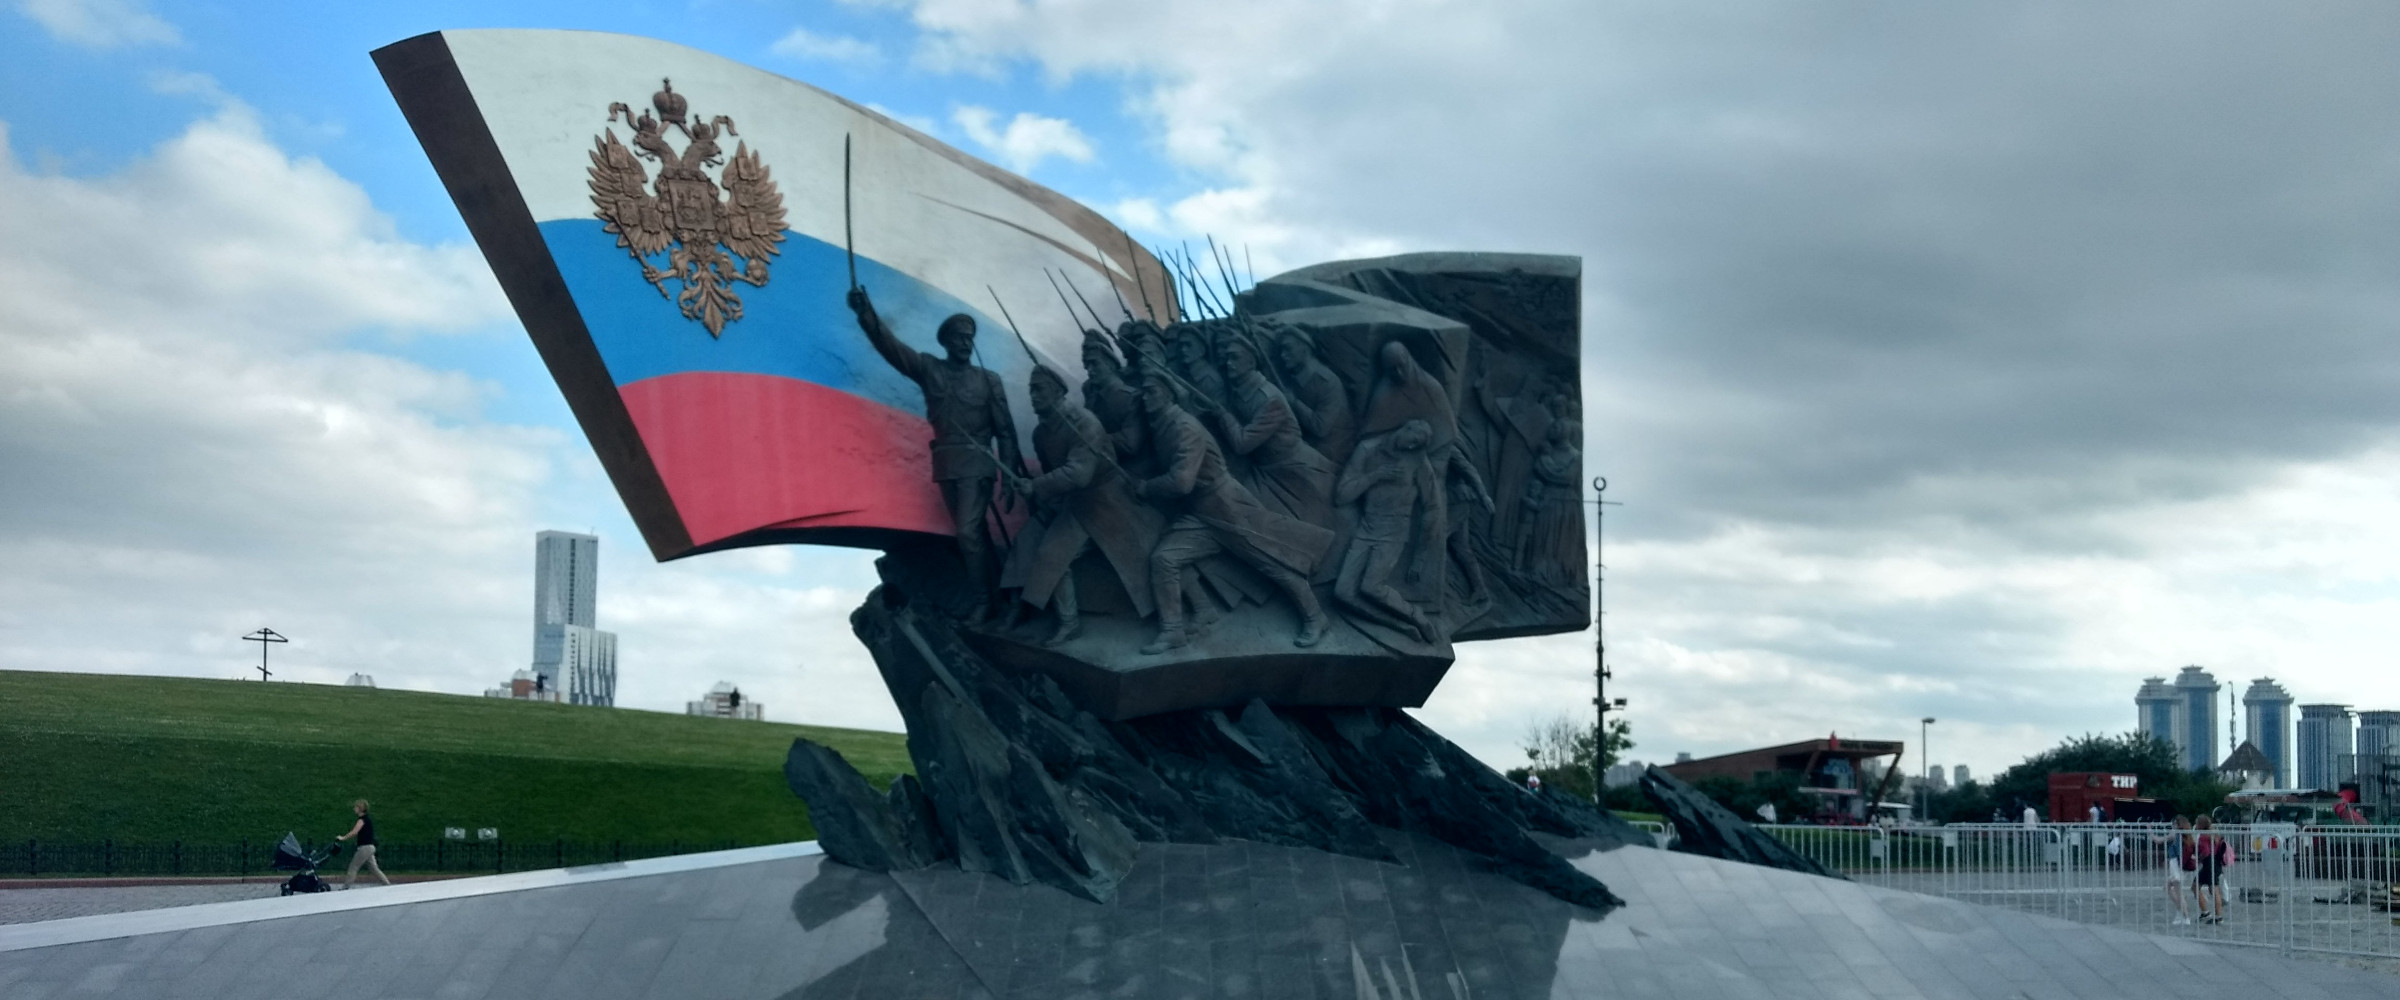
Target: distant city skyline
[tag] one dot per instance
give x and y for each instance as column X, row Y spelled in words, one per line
column 2317, row 749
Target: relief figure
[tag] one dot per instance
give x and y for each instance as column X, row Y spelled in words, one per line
column 973, row 434
column 1212, row 514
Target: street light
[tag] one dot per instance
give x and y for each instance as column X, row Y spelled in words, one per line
column 1601, row 702
column 1925, row 767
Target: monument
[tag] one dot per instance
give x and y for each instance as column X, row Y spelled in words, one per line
column 1163, row 568
column 1178, row 590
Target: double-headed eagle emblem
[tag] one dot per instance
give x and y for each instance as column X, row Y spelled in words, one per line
column 710, row 241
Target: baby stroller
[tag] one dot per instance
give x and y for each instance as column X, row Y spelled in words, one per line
column 291, row 857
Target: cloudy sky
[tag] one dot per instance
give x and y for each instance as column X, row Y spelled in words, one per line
column 1972, row 361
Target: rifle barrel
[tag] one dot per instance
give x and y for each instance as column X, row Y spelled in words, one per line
column 1134, row 256
column 1012, row 326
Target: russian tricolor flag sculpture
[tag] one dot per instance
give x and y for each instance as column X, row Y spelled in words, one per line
column 670, row 227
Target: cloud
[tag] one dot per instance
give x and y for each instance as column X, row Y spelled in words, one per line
column 200, row 438
column 101, row 24
column 194, row 446
column 801, row 43
column 1925, row 349
column 1026, row 141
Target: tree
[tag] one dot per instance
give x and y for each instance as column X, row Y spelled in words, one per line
column 1967, row 803
column 1559, row 751
column 2153, row 760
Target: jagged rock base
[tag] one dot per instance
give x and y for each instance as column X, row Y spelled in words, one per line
column 1013, row 779
column 1705, row 828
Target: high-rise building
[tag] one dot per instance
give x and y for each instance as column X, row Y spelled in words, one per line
column 2199, row 741
column 2378, row 733
column 1958, row 776
column 570, row 654
column 566, row 585
column 2324, row 738
column 2183, row 713
column 2157, row 713
column 2268, row 708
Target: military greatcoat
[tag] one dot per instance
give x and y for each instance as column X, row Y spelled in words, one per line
column 1091, row 504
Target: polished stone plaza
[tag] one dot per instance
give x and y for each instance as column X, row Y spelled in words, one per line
column 1233, row 920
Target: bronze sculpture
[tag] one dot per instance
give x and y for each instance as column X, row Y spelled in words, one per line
column 1257, row 423
column 1213, row 514
column 974, row 438
column 1083, row 503
column 1391, row 482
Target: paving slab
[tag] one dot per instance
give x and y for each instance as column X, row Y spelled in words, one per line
column 1234, row 920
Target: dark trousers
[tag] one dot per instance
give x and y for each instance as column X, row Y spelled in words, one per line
column 967, row 499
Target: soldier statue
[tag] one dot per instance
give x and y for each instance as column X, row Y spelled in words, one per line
column 1257, row 423
column 1082, row 502
column 1317, row 397
column 1212, row 513
column 971, row 427
column 1107, row 395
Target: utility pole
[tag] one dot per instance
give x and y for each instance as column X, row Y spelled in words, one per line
column 1600, row 673
column 262, row 637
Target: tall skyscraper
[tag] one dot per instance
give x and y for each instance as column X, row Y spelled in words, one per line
column 2199, row 737
column 1959, row 776
column 2183, row 713
column 2378, row 733
column 570, row 654
column 2324, row 738
column 2158, row 713
column 2268, row 708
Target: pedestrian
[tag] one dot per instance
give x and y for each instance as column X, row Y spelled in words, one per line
column 2180, row 868
column 2032, row 818
column 364, row 830
column 2209, row 874
column 1533, row 783
column 1766, row 811
column 2094, row 812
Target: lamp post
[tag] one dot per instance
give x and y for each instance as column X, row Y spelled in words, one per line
column 1925, row 767
column 1600, row 673
column 262, row 637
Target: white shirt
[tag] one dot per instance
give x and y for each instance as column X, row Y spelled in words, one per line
column 2032, row 818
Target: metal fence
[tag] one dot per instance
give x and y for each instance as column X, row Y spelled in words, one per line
column 2292, row 888
column 37, row 858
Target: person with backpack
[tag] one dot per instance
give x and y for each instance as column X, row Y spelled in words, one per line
column 2215, row 853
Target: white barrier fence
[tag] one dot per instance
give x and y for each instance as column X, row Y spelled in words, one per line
column 2329, row 889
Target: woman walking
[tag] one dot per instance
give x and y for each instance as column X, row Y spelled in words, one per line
column 364, row 830
column 2210, row 872
column 2180, row 868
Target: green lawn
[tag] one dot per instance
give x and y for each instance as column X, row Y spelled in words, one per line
column 88, row 757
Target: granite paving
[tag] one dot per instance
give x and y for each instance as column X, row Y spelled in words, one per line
column 1234, row 920
column 23, row 906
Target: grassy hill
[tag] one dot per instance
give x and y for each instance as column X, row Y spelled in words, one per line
column 150, row 759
